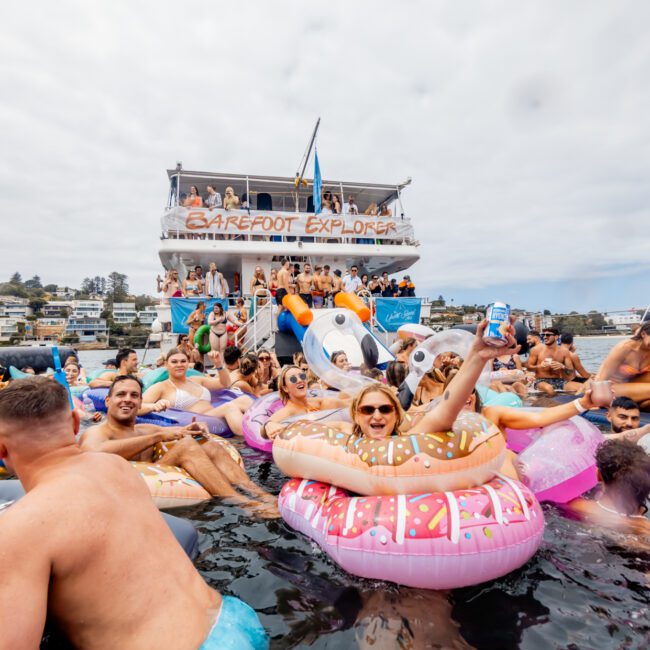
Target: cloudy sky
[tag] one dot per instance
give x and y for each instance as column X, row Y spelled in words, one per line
column 523, row 125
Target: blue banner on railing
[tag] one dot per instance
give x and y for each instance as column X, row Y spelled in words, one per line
column 183, row 307
column 394, row 312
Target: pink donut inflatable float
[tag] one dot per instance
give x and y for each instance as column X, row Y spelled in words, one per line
column 437, row 540
column 560, row 464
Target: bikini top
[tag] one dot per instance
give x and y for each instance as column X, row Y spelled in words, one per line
column 508, row 365
column 185, row 400
column 627, row 370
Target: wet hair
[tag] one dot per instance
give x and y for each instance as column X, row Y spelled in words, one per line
column 33, row 399
column 336, row 354
column 644, row 329
column 73, row 358
column 567, row 337
column 626, row 403
column 377, row 388
column 395, row 373
column 625, row 465
column 122, row 354
column 198, row 366
column 284, row 395
column 551, row 330
column 121, row 378
column 174, row 351
column 248, row 365
column 231, row 354
column 534, row 333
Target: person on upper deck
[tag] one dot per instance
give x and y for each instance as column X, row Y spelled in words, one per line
column 406, row 288
column 192, row 287
column 193, row 199
column 386, row 291
column 374, row 286
column 231, row 200
column 351, row 206
column 326, row 208
column 214, row 198
column 385, row 211
column 371, row 210
column 214, row 283
column 336, row 204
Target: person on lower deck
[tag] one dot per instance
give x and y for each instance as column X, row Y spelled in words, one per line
column 208, row 463
column 580, row 375
column 126, row 361
column 84, row 519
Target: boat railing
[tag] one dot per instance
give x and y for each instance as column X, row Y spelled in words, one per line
column 376, row 327
column 258, row 329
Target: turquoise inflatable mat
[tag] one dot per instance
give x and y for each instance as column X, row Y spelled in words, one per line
column 597, row 416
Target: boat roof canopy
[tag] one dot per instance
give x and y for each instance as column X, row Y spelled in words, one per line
column 282, row 189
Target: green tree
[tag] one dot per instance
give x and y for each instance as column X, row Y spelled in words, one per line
column 34, row 283
column 50, row 288
column 118, row 286
column 37, row 304
column 547, row 312
column 16, row 278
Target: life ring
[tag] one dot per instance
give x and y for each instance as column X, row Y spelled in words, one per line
column 203, row 348
column 470, row 454
column 558, row 462
column 440, row 540
column 343, row 322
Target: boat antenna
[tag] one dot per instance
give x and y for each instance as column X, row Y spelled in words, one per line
column 305, row 157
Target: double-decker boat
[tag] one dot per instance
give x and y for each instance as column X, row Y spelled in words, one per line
column 276, row 220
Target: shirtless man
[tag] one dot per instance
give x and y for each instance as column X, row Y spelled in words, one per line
column 127, row 364
column 551, row 364
column 305, row 282
column 325, row 283
column 88, row 520
column 207, row 463
column 337, row 283
column 285, row 283
column 580, row 374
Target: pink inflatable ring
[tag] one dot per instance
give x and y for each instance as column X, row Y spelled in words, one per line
column 442, row 540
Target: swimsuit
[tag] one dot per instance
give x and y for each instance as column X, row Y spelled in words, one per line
column 184, row 400
column 237, row 628
column 555, row 382
column 508, row 365
column 629, row 372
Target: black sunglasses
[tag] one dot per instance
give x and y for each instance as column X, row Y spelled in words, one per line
column 264, row 358
column 294, row 379
column 548, row 335
column 384, row 409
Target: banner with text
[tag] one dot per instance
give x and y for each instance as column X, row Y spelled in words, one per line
column 242, row 222
column 182, row 307
column 395, row 312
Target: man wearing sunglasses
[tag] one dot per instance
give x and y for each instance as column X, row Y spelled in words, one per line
column 551, row 363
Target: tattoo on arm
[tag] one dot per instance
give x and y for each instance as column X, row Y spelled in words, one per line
column 446, row 395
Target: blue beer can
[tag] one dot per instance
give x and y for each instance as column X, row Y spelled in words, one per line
column 498, row 317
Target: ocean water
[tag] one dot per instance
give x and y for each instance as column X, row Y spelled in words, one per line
column 583, row 589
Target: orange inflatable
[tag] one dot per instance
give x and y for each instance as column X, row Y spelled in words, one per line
column 352, row 302
column 298, row 307
column 468, row 455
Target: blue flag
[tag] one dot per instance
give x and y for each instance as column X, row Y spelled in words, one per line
column 318, row 185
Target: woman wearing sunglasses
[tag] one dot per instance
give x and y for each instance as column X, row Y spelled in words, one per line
column 387, row 417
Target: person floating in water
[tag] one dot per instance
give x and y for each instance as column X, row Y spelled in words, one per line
column 624, row 476
column 77, row 548
column 208, row 463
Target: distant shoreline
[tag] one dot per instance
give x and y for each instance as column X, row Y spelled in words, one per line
column 602, row 336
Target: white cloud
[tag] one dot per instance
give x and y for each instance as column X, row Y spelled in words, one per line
column 523, row 126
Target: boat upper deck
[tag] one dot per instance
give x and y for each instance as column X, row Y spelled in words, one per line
column 203, row 205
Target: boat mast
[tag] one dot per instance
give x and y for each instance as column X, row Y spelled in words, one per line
column 305, row 160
